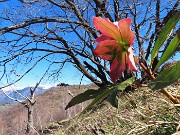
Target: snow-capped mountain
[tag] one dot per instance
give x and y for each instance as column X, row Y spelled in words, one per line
column 24, row 92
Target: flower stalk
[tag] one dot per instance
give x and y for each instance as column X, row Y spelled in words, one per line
column 163, row 90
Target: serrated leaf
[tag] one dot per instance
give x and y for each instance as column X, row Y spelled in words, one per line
column 166, row 77
column 100, row 97
column 126, row 83
column 87, row 95
column 169, row 26
column 108, row 91
column 112, row 98
column 171, row 49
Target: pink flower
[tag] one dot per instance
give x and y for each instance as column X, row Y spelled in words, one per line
column 115, row 44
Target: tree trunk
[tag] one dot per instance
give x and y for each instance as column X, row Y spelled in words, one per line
column 30, row 125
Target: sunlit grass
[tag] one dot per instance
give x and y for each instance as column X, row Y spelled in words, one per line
column 139, row 113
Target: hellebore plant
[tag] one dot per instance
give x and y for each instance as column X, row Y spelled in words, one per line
column 115, row 45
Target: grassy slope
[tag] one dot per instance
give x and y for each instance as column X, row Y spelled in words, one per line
column 142, row 112
column 139, row 112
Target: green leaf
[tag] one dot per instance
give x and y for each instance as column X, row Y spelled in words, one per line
column 171, row 49
column 109, row 91
column 100, row 94
column 126, row 83
column 88, row 94
column 100, row 97
column 112, row 98
column 164, row 35
column 166, row 77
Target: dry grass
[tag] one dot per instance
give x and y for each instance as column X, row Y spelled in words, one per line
column 142, row 112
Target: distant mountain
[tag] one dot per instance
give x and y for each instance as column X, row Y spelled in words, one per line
column 24, row 92
column 49, row 107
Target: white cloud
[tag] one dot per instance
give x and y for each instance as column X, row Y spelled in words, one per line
column 47, row 86
column 12, row 87
column 15, row 87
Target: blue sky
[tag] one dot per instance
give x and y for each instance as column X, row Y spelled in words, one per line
column 70, row 74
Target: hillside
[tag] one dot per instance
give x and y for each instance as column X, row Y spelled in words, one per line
column 140, row 112
column 4, row 106
column 49, row 107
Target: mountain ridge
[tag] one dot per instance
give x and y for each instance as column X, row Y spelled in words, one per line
column 17, row 94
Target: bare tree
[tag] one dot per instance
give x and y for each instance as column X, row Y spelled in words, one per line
column 28, row 103
column 61, row 32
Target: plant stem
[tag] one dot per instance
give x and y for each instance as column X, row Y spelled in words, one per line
column 163, row 90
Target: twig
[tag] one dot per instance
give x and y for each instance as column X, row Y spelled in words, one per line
column 70, row 93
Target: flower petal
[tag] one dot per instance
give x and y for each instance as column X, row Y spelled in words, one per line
column 106, row 27
column 102, row 38
column 130, row 60
column 127, row 35
column 116, row 70
column 105, row 48
column 118, row 66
